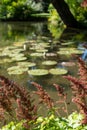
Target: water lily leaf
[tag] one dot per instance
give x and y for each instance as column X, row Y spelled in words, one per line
column 32, row 48
column 19, row 43
column 26, row 64
column 50, row 54
column 70, row 51
column 19, row 58
column 49, row 62
column 2, row 54
column 41, row 50
column 64, row 52
column 67, row 48
column 13, row 68
column 9, row 52
column 38, row 72
column 36, row 54
column 37, row 48
column 18, row 50
column 16, row 54
column 1, row 49
column 40, row 46
column 58, row 71
column 5, row 60
column 11, row 47
column 68, row 43
column 44, row 45
column 5, row 52
column 16, row 70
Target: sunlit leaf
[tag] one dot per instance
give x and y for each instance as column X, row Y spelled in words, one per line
column 49, row 62
column 36, row 54
column 58, row 71
column 26, row 64
column 38, row 72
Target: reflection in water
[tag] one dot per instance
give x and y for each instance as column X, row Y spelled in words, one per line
column 11, row 32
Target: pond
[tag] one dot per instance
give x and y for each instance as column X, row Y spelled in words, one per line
column 32, row 52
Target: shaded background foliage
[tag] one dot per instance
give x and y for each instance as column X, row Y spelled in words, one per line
column 23, row 9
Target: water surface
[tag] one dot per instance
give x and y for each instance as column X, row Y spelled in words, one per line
column 27, row 35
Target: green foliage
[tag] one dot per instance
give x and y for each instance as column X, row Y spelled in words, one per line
column 53, row 14
column 18, row 10
column 14, row 126
column 51, row 122
column 79, row 12
column 55, row 25
column 59, row 123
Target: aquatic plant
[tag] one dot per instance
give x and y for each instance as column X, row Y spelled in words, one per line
column 69, row 51
column 49, row 62
column 58, row 71
column 38, row 72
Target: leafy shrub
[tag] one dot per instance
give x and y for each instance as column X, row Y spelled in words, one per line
column 79, row 12
column 19, row 10
column 51, row 122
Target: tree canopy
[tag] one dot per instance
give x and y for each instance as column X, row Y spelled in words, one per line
column 73, row 13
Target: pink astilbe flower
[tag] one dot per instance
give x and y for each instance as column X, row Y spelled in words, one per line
column 82, row 71
column 62, row 97
column 5, row 103
column 79, row 95
column 11, row 93
column 59, row 89
column 44, row 96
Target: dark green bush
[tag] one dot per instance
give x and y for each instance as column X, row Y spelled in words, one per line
column 19, row 10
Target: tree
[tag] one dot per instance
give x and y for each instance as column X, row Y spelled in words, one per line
column 64, row 12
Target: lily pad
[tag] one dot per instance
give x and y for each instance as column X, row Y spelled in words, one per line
column 44, row 44
column 36, row 54
column 41, row 50
column 38, row 72
column 50, row 54
column 68, row 43
column 10, row 52
column 19, row 58
column 19, row 43
column 16, row 70
column 26, row 64
column 10, row 47
column 13, row 68
column 49, row 62
column 5, row 60
column 67, row 49
column 70, row 51
column 2, row 54
column 16, row 54
column 58, row 71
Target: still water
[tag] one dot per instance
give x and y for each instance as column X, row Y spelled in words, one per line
column 38, row 43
